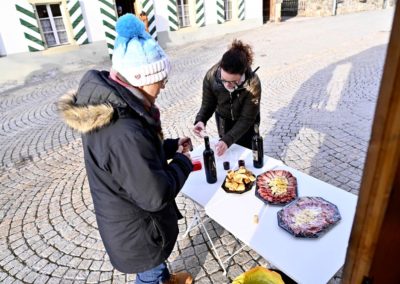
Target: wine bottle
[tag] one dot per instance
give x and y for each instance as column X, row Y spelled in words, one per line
column 258, row 148
column 209, row 162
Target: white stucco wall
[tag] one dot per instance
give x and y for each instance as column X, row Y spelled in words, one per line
column 253, row 18
column 253, row 9
column 93, row 20
column 211, row 12
column 12, row 38
column 161, row 12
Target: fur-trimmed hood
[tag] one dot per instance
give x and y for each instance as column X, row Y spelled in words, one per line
column 98, row 101
column 84, row 118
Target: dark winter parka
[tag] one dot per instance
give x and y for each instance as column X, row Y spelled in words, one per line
column 236, row 112
column 132, row 185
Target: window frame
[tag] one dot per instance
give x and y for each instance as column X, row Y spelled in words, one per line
column 183, row 14
column 228, row 7
column 53, row 25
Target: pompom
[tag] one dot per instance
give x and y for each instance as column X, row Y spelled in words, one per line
column 129, row 26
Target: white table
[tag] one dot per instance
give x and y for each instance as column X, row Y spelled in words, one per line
column 201, row 192
column 306, row 261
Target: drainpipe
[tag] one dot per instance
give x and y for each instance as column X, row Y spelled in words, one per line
column 334, row 7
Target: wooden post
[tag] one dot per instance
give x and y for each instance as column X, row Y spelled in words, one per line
column 272, row 4
column 378, row 187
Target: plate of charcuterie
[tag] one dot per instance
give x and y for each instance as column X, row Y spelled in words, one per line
column 308, row 217
column 277, row 187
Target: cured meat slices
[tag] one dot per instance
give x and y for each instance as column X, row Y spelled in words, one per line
column 308, row 217
column 276, row 187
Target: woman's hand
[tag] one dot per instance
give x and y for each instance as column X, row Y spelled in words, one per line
column 199, row 129
column 220, row 148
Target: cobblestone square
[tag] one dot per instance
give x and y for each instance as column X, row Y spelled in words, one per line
column 320, row 80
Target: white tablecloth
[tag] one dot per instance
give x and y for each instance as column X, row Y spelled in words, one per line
column 308, row 261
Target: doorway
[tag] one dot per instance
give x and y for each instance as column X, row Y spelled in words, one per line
column 266, row 10
column 290, row 8
column 125, row 6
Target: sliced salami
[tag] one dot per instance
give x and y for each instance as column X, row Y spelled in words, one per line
column 308, row 217
column 276, row 187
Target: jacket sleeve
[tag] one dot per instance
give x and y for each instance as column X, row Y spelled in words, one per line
column 148, row 181
column 209, row 99
column 170, row 147
column 248, row 115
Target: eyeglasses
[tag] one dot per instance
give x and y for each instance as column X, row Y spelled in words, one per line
column 236, row 83
column 164, row 82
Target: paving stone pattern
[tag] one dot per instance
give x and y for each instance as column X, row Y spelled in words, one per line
column 319, row 96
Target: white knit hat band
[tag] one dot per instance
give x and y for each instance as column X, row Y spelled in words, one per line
column 147, row 74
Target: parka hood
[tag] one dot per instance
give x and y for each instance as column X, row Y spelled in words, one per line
column 97, row 102
column 84, row 118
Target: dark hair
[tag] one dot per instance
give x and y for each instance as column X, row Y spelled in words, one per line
column 238, row 58
column 143, row 13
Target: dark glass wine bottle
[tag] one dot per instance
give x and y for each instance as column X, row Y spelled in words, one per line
column 209, row 162
column 258, row 148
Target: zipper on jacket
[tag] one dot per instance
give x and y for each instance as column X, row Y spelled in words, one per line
column 231, row 104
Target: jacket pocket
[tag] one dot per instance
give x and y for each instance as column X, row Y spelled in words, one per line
column 157, row 233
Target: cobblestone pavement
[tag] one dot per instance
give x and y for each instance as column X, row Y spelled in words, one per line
column 320, row 80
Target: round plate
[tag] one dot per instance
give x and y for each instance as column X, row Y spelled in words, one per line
column 284, row 173
column 247, row 187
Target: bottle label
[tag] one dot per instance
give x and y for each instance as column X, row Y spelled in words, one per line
column 255, row 155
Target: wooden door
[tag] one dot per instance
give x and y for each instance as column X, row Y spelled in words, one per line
column 385, row 265
column 266, row 10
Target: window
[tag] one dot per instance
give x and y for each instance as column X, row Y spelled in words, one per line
column 52, row 24
column 183, row 13
column 228, row 10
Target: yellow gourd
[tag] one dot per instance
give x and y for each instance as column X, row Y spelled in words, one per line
column 259, row 275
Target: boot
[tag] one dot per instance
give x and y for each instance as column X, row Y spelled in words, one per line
column 180, row 278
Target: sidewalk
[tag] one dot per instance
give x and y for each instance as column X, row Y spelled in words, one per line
column 29, row 67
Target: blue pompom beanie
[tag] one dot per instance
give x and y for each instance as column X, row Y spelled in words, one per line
column 137, row 56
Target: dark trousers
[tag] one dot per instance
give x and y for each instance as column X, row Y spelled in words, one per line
column 226, row 124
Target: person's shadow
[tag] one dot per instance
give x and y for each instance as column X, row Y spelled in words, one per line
column 325, row 129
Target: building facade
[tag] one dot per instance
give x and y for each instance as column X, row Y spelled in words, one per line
column 37, row 25
column 317, row 8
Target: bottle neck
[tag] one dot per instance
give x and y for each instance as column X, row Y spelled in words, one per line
column 256, row 129
column 207, row 143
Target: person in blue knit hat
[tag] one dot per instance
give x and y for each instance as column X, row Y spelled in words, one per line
column 133, row 186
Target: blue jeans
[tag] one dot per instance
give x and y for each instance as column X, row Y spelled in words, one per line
column 156, row 275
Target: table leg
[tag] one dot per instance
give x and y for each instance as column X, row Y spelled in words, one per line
column 214, row 248
column 193, row 224
column 235, row 253
column 195, row 221
column 198, row 221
